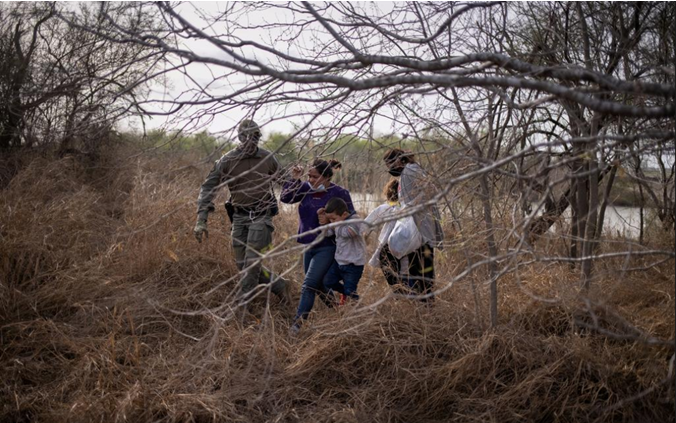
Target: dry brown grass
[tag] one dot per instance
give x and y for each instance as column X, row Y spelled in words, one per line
column 107, row 314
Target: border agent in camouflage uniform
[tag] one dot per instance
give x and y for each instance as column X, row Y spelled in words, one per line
column 248, row 171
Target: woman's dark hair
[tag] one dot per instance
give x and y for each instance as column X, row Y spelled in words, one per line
column 397, row 153
column 391, row 190
column 325, row 168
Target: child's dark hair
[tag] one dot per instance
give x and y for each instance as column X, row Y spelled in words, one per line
column 336, row 205
column 325, row 168
column 391, row 190
column 397, row 153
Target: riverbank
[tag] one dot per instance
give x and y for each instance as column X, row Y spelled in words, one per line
column 111, row 311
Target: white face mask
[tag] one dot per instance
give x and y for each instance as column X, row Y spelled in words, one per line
column 321, row 187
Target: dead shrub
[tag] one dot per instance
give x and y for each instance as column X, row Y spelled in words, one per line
column 123, row 317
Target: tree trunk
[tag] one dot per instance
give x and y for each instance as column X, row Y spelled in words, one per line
column 554, row 209
column 582, row 206
column 641, row 200
column 492, row 249
column 592, row 204
column 574, row 217
column 590, row 234
column 604, row 205
column 641, row 197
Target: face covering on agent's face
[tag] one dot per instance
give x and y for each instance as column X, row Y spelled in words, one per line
column 249, row 147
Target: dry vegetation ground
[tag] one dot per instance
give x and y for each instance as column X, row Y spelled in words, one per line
column 97, row 265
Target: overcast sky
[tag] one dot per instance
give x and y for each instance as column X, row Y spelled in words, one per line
column 180, row 85
column 274, row 117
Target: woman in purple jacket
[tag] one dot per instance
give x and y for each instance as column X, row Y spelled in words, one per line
column 318, row 257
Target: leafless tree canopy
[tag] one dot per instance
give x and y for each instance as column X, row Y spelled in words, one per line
column 64, row 85
column 534, row 105
column 534, row 120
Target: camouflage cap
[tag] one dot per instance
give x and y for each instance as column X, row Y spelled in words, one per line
column 248, row 128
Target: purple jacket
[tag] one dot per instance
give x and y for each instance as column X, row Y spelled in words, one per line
column 311, row 201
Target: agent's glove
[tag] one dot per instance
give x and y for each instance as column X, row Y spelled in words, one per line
column 201, row 228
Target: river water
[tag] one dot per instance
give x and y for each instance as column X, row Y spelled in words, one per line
column 619, row 221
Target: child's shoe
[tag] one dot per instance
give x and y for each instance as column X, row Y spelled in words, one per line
column 294, row 330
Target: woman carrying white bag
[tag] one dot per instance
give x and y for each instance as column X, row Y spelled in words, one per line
column 382, row 257
column 415, row 188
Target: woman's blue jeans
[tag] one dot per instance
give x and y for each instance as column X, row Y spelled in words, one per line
column 316, row 262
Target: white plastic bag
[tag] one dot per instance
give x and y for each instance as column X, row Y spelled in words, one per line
column 385, row 232
column 405, row 237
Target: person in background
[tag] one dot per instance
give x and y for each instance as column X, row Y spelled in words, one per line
column 320, row 247
column 248, row 171
column 415, row 188
column 350, row 257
